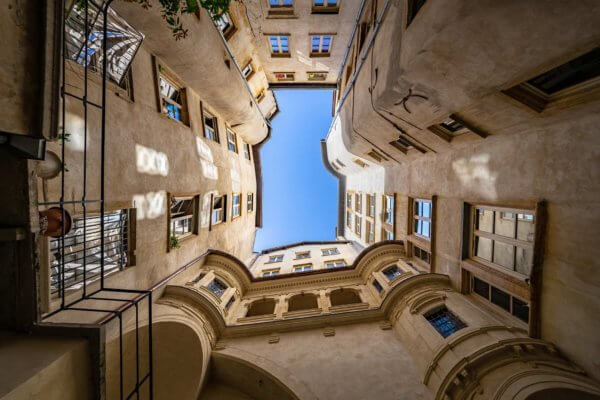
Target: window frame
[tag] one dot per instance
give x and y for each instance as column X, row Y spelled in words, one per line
column 302, row 268
column 229, row 30
column 195, row 201
column 223, row 210
column 214, row 136
column 357, row 224
column 250, row 202
column 247, row 151
column 330, row 251
column 322, row 37
column 369, row 231
column 164, row 73
column 279, row 52
column 488, row 299
column 298, row 253
column 275, row 258
column 326, row 8
column 233, row 206
column 335, row 263
column 456, row 320
column 232, row 140
column 270, row 272
column 251, row 71
column 416, row 217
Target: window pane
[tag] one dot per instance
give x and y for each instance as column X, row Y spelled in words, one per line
column 520, row 309
column 481, row 288
column 483, row 248
column 484, row 220
column 524, row 261
column 504, row 254
column 427, row 209
column 525, row 227
column 444, row 321
column 500, row 298
column 505, row 224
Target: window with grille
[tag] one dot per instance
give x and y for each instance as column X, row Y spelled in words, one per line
column 219, row 209
column 276, row 258
column 320, row 45
column 422, row 212
column 250, row 202
column 503, row 238
column 183, row 216
column 392, row 272
column 217, row 287
column 444, row 321
column 279, row 45
column 330, row 252
column 211, row 130
column 236, row 209
column 302, row 268
column 335, row 264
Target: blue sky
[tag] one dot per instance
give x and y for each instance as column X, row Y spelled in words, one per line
column 299, row 194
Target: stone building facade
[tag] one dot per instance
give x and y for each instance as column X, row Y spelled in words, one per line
column 463, row 266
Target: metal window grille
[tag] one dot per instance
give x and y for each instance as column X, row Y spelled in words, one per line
column 444, row 321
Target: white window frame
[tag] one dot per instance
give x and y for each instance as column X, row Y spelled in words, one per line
column 218, row 214
column 279, row 50
column 210, row 133
column 332, row 264
column 320, row 50
column 330, row 251
column 302, row 268
column 275, row 258
column 417, row 217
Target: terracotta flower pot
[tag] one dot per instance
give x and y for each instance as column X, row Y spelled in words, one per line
column 51, row 222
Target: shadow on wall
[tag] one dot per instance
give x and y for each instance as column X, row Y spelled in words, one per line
column 474, row 174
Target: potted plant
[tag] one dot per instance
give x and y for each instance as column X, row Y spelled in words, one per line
column 51, row 222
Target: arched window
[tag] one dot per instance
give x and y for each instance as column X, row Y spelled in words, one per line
column 339, row 297
column 392, row 272
column 261, row 307
column 304, row 301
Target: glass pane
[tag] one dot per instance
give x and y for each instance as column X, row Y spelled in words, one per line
column 500, row 298
column 481, row 288
column 427, row 209
column 524, row 261
column 426, row 232
column 484, row 220
column 520, row 309
column 525, row 227
column 483, row 248
column 505, row 224
column 419, row 208
column 504, row 255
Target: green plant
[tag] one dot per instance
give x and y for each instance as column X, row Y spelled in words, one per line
column 66, row 136
column 174, row 242
column 173, row 9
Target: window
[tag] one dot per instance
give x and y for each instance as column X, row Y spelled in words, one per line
column 444, row 321
column 454, row 126
column 172, row 97
column 370, row 232
column 349, row 200
column 377, row 286
column 217, row 287
column 250, row 202
column 451, row 125
column 387, row 235
column 413, row 8
column 302, row 268
column 358, row 202
column 218, row 209
column 330, row 252
column 392, row 272
column 279, row 45
column 183, row 216
column 281, row 7
column 285, row 76
column 371, row 205
column 281, row 3
column 302, row 254
column 402, row 144
column 360, row 163
column 271, row 272
column 261, row 307
column 261, row 95
column 320, row 45
column 388, row 206
column 231, row 141
column 277, row 258
column 248, row 71
column 335, row 264
column 504, row 238
column 236, row 209
column 247, row 151
column 230, row 302
column 421, row 254
column 563, row 83
column 325, row 6
column 304, row 301
column 507, row 302
column 340, row 297
column 225, row 25
column 375, row 155
column 316, row 76
column 348, row 219
column 211, row 130
column 357, row 225
column 422, row 211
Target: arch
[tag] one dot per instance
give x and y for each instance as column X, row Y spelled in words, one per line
column 549, row 384
column 562, row 394
column 261, row 307
column 303, row 301
column 340, row 297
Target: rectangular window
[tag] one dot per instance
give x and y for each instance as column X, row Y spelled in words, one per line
column 392, row 272
column 422, row 213
column 183, row 216
column 320, row 45
column 377, row 286
column 330, row 252
column 360, row 163
column 358, row 202
column 325, row 6
column 402, row 144
column 236, row 205
column 348, row 219
column 357, row 225
column 172, row 97
column 285, row 76
column 276, row 258
column 503, row 238
column 279, row 45
column 225, row 25
column 247, row 151
column 302, row 254
column 444, row 321
column 217, row 287
column 377, row 156
column 261, row 95
column 502, row 299
column 563, row 83
column 281, row 3
column 371, row 205
column 302, row 268
column 231, row 141
column 271, row 272
column 316, row 76
column 387, row 235
column 248, row 70
column 335, row 264
column 349, row 200
column 421, row 254
column 370, row 233
column 250, row 202
column 230, row 302
column 218, row 209
column 211, row 130
column 389, row 207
